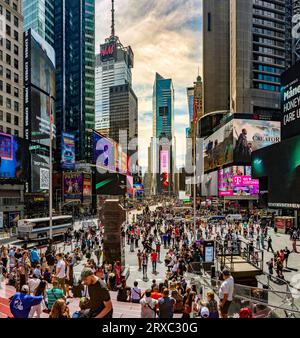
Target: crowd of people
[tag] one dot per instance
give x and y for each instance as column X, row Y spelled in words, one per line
column 45, row 282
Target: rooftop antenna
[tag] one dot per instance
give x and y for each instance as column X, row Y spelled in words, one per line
column 113, row 18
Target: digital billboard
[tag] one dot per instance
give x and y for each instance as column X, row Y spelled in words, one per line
column 130, row 190
column 290, row 101
column 103, row 152
column 14, row 158
column 164, row 169
column 209, row 187
column 108, row 51
column 237, row 181
column 219, row 148
column 280, row 163
column 111, row 184
column 72, row 186
column 87, row 188
column 251, row 135
column 40, row 173
column 68, row 151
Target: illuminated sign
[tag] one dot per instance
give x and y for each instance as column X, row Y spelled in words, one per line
column 108, row 51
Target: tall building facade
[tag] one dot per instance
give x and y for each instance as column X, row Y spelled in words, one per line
column 112, row 69
column 190, row 100
column 12, row 149
column 75, row 72
column 163, row 141
column 39, row 16
column 256, row 48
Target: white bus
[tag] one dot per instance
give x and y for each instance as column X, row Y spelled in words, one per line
column 39, row 228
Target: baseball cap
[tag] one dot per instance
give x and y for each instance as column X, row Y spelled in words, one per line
column 204, row 312
column 86, row 273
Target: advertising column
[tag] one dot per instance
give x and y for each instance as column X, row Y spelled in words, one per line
column 164, row 171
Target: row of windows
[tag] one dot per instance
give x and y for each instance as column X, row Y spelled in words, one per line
column 265, row 77
column 9, row 131
column 268, row 69
column 269, row 14
column 10, row 104
column 268, row 23
column 268, row 4
column 267, row 59
column 8, row 74
column 268, row 32
column 268, row 50
column 269, row 42
column 9, row 15
column 265, row 86
column 9, row 89
column 9, row 118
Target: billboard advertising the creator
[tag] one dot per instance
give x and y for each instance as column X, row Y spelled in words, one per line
column 251, row 135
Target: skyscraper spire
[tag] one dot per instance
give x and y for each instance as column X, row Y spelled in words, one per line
column 113, row 18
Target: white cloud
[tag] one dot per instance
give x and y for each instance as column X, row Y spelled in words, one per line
column 165, row 38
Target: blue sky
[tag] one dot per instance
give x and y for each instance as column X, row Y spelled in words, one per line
column 165, row 36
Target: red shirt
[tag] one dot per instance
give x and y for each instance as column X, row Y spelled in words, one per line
column 155, row 295
column 154, row 256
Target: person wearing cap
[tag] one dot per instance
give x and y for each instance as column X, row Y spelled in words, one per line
column 100, row 301
column 226, row 293
column 22, row 302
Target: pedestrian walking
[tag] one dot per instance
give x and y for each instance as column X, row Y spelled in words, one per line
column 270, row 244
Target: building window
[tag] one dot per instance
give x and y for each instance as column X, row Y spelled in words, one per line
column 16, row 21
column 16, row 106
column 8, row 44
column 16, row 92
column 8, row 30
column 16, row 120
column 8, row 74
column 8, row 15
column 16, row 63
column 1, row 70
column 1, row 100
column 16, row 50
column 209, row 22
column 1, row 85
column 15, row 7
column 8, row 103
column 16, row 132
column 8, row 130
column 1, row 55
column 8, row 88
column 16, row 35
column 8, row 59
column 16, row 78
column 8, row 117
column 1, row 115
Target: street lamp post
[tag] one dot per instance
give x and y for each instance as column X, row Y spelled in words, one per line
column 50, row 176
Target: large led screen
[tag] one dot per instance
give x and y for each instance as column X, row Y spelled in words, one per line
column 14, row 158
column 209, row 186
column 281, row 164
column 251, row 135
column 237, row 181
column 111, row 184
column 68, row 151
column 104, row 152
column 218, row 148
column 73, row 186
column 164, row 169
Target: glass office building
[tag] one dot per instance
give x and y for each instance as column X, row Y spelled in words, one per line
column 39, row 16
column 75, row 71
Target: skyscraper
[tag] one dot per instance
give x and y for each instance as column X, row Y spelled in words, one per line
column 39, row 16
column 163, row 141
column 190, row 98
column 247, row 45
column 75, row 75
column 113, row 68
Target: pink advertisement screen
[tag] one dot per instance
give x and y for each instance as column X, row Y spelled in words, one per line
column 164, row 161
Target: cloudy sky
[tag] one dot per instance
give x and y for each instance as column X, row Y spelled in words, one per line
column 165, row 36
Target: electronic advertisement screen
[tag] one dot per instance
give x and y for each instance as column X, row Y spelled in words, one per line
column 219, row 148
column 41, row 107
column 68, row 151
column 130, row 190
column 108, row 51
column 237, row 181
column 251, row 135
column 40, row 173
column 14, row 158
column 42, row 64
column 164, row 169
column 290, row 101
column 281, row 164
column 111, row 184
column 104, row 152
column 73, row 187
column 87, row 188
column 209, row 187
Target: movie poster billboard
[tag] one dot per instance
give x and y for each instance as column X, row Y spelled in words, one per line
column 68, row 151
column 40, row 173
column 237, row 181
column 73, row 187
column 251, row 135
column 164, row 169
column 218, row 148
column 14, row 158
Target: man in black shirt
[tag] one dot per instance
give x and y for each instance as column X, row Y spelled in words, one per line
column 100, row 301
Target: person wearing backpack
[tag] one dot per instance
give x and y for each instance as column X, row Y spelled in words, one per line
column 148, row 305
column 136, row 293
column 166, row 305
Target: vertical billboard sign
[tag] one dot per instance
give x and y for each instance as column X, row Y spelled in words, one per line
column 40, row 173
column 130, row 190
column 164, row 169
column 87, row 188
column 27, row 81
column 72, row 187
column 68, row 151
column 103, row 152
